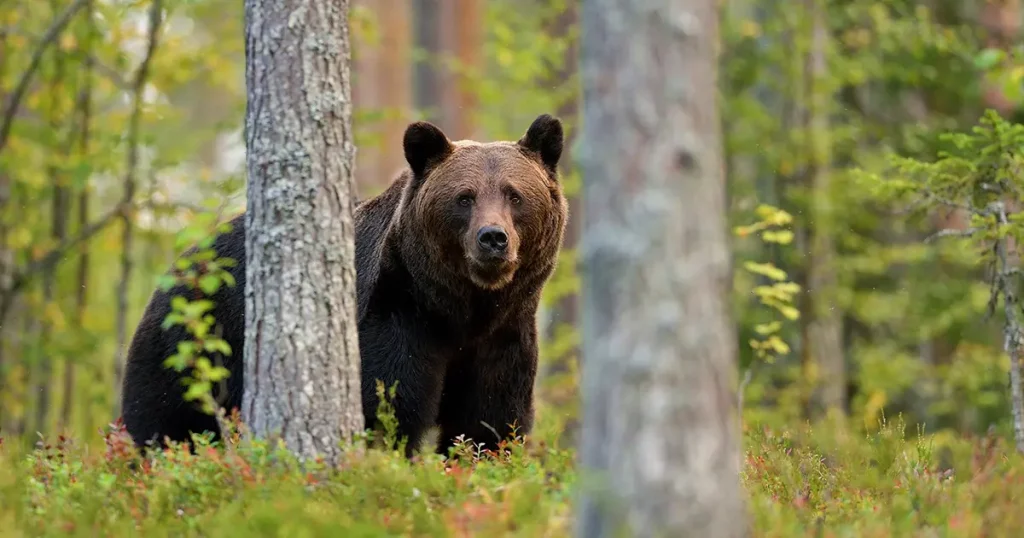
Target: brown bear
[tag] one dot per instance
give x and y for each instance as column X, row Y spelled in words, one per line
column 450, row 262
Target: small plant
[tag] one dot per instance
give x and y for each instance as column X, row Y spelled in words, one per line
column 200, row 274
column 776, row 296
column 388, row 430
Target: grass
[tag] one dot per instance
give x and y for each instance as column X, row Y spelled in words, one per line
column 823, row 481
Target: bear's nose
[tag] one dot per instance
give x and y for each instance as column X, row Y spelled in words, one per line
column 492, row 238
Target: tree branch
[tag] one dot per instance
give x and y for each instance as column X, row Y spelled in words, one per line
column 51, row 258
column 113, row 75
column 951, row 232
column 950, row 203
column 14, row 102
column 55, row 255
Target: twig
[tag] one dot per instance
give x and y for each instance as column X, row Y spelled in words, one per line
column 59, row 252
column 911, row 207
column 100, row 67
column 48, row 260
column 950, row 203
column 108, row 72
column 14, row 102
column 950, row 232
column 131, row 169
column 748, row 374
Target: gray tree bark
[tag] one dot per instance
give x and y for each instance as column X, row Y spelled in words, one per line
column 301, row 345
column 660, row 437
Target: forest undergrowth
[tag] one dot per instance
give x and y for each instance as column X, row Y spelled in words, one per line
column 822, row 480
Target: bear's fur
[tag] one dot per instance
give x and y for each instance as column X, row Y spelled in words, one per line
column 450, row 263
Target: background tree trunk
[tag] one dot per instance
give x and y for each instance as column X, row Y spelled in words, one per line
column 301, row 345
column 659, row 344
column 84, row 118
column 461, row 33
column 59, row 208
column 824, row 359
column 383, row 83
column 562, row 328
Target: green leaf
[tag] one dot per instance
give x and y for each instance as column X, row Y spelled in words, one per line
column 988, row 58
column 197, row 389
column 209, row 284
column 176, row 361
column 217, row 345
column 790, row 312
column 766, row 269
column 186, row 348
column 171, row 320
column 218, row 373
column 179, row 303
column 765, row 329
column 166, row 282
column 782, row 237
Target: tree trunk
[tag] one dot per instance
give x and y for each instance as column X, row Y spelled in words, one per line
column 566, row 310
column 561, row 331
column 6, row 256
column 462, row 40
column 659, row 343
column 83, row 107
column 382, row 81
column 823, row 352
column 1001, row 20
column 58, row 231
column 301, row 345
column 426, row 75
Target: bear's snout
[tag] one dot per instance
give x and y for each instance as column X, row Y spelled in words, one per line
column 492, row 255
column 492, row 240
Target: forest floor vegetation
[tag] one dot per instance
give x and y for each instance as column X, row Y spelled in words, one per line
column 823, row 480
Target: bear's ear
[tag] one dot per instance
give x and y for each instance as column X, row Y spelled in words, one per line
column 425, row 146
column 544, row 137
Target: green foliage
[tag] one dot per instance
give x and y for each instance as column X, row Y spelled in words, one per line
column 779, row 295
column 262, row 490
column 65, row 161
column 819, row 481
column 978, row 172
column 974, row 170
column 200, row 274
column 897, row 75
column 388, row 426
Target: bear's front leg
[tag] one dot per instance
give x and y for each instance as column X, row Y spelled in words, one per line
column 490, row 391
column 389, row 355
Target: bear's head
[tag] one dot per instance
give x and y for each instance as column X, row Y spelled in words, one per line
column 485, row 212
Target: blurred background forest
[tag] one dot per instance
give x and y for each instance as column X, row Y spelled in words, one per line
column 109, row 150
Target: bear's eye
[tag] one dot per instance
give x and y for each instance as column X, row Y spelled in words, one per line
column 465, row 200
column 515, row 199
